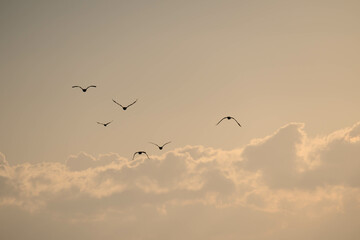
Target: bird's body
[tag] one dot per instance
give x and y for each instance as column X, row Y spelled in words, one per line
column 228, row 118
column 84, row 89
column 104, row 124
column 140, row 152
column 124, row 107
column 160, row 147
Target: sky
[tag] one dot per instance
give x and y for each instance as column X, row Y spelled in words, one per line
column 286, row 70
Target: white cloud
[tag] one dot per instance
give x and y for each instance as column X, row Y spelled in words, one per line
column 193, row 192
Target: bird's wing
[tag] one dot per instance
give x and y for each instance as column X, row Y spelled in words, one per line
column 100, row 123
column 90, row 86
column 166, row 144
column 108, row 122
column 220, row 120
column 147, row 155
column 117, row 103
column 134, row 155
column 76, row 87
column 132, row 103
column 154, row 144
column 236, row 121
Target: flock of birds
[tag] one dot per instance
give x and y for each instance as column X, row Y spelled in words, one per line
column 126, row 107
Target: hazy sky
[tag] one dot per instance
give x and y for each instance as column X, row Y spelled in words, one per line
column 287, row 70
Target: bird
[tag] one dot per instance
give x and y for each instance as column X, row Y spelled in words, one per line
column 160, row 147
column 84, row 89
column 228, row 118
column 105, row 124
column 140, row 152
column 124, row 108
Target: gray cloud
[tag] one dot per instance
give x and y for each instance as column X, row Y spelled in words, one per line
column 276, row 156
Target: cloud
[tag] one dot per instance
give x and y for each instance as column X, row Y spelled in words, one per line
column 84, row 161
column 276, row 156
column 261, row 191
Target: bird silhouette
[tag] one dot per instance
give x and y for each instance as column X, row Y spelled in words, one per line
column 228, row 118
column 84, row 89
column 105, row 124
column 140, row 152
column 160, row 147
column 124, row 108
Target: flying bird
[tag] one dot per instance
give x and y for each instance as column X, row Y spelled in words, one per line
column 84, row 89
column 105, row 124
column 140, row 152
column 228, row 118
column 160, row 147
column 124, row 108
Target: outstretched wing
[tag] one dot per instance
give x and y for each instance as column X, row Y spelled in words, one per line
column 134, row 155
column 100, row 123
column 166, row 144
column 90, row 86
column 132, row 103
column 108, row 122
column 146, row 155
column 220, row 121
column 76, row 87
column 236, row 121
column 154, row 144
column 117, row 103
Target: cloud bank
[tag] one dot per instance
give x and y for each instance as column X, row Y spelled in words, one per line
column 283, row 186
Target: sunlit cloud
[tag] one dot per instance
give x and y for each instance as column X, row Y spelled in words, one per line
column 279, row 176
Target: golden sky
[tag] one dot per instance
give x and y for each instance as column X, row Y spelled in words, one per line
column 287, row 70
